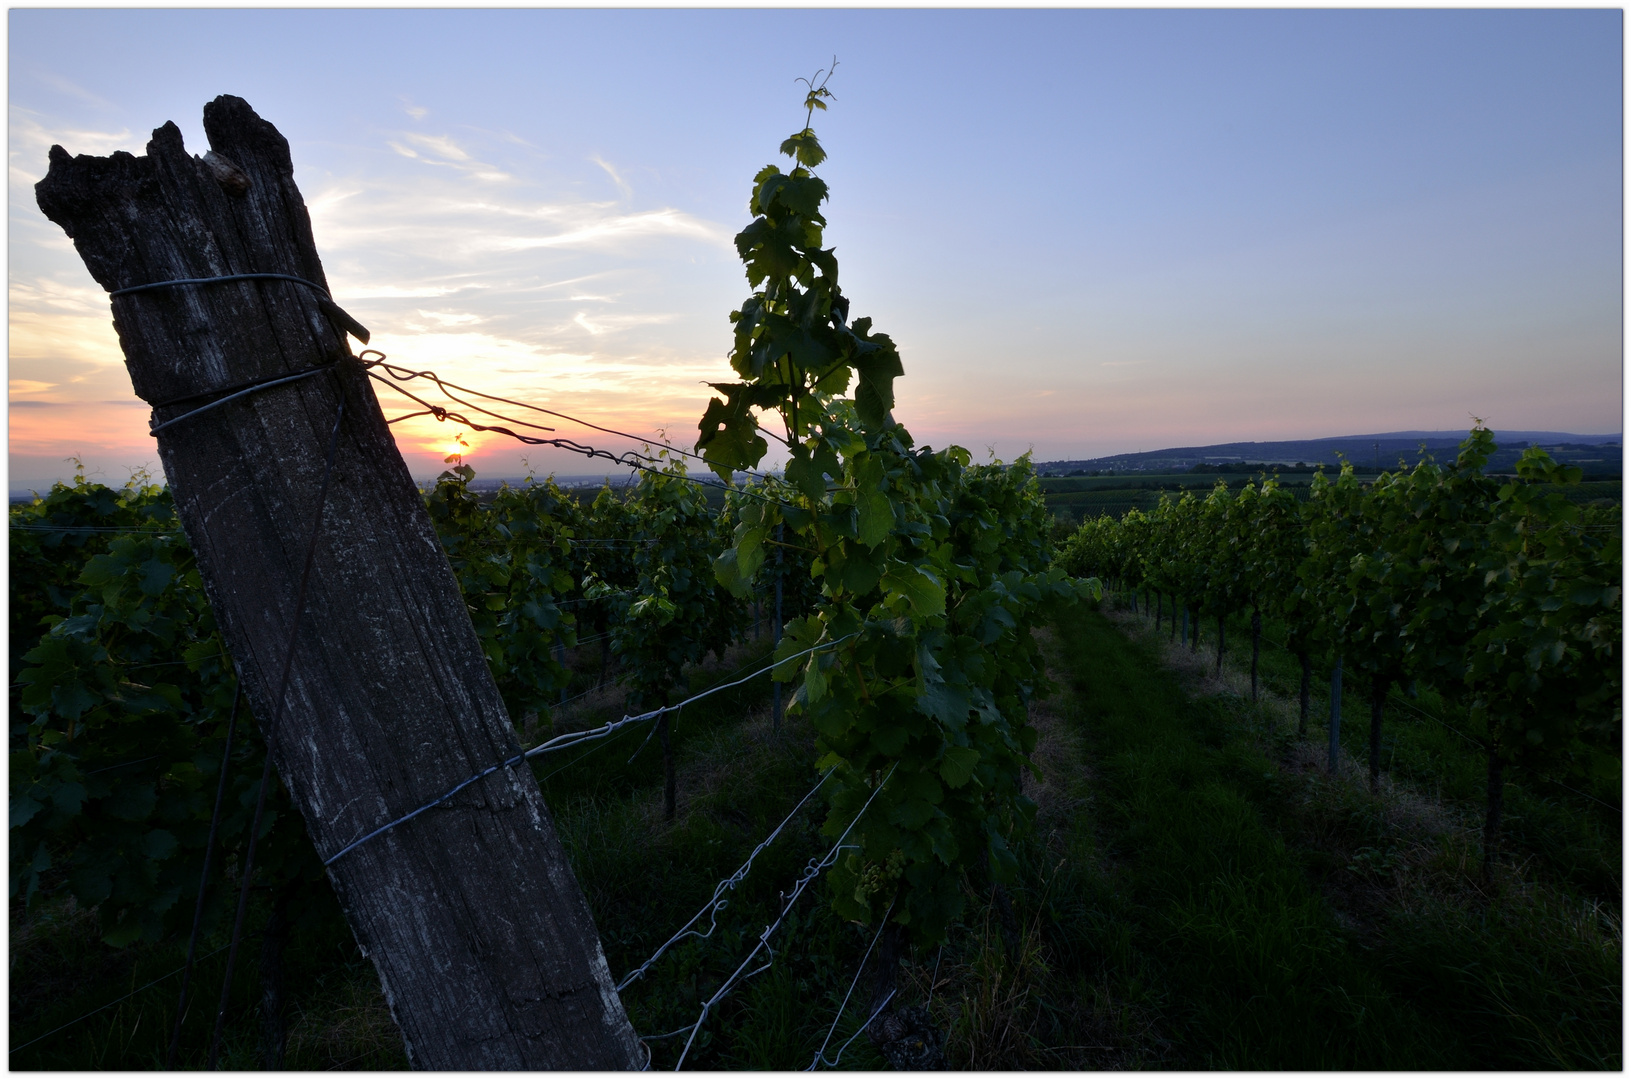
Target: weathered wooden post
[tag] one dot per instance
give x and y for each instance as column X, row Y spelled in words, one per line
column 484, row 944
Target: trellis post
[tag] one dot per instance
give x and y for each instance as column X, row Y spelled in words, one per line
column 483, row 941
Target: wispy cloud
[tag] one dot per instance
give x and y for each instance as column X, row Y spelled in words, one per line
column 439, row 146
column 470, row 254
column 432, row 221
column 36, row 294
column 442, row 150
column 450, row 318
column 52, row 337
column 69, row 87
column 380, row 291
column 602, row 324
column 652, row 223
column 31, row 140
column 622, row 186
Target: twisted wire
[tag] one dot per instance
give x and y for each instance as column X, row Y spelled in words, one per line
column 436, row 410
column 402, row 374
column 570, row 739
column 821, row 1055
column 544, row 779
column 814, row 868
column 881, row 1006
column 629, row 459
column 570, row 764
column 719, row 901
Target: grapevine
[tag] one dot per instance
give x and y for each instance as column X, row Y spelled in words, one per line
column 933, row 570
column 1494, row 592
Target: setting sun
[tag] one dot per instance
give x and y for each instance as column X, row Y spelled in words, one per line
column 456, row 445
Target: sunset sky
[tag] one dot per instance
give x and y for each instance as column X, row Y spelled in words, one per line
column 1088, row 231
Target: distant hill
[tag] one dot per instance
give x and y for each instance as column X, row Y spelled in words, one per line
column 1596, row 454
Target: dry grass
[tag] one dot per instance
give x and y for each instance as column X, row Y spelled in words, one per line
column 1404, row 851
column 991, row 1000
column 992, row 1003
column 348, row 1026
column 1064, row 791
column 1197, row 668
column 28, row 927
column 1003, row 1004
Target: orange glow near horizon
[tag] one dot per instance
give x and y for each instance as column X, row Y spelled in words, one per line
column 1209, row 272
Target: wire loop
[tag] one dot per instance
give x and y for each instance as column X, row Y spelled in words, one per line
column 216, row 281
column 326, row 302
column 232, row 393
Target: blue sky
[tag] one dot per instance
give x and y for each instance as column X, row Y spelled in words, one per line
column 1088, row 231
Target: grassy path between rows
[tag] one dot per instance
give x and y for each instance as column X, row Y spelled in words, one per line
column 1216, row 901
column 1197, row 893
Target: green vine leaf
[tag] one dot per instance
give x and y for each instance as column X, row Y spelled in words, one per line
column 957, row 766
column 921, row 589
column 804, row 148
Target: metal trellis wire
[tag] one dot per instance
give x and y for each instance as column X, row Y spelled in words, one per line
column 821, row 1055
column 719, row 901
column 814, row 868
column 574, row 738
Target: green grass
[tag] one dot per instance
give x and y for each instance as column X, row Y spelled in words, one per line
column 643, row 878
column 1303, row 923
column 1197, row 894
column 60, row 971
column 1228, row 940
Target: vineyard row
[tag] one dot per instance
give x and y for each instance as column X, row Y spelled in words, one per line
column 1502, row 593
